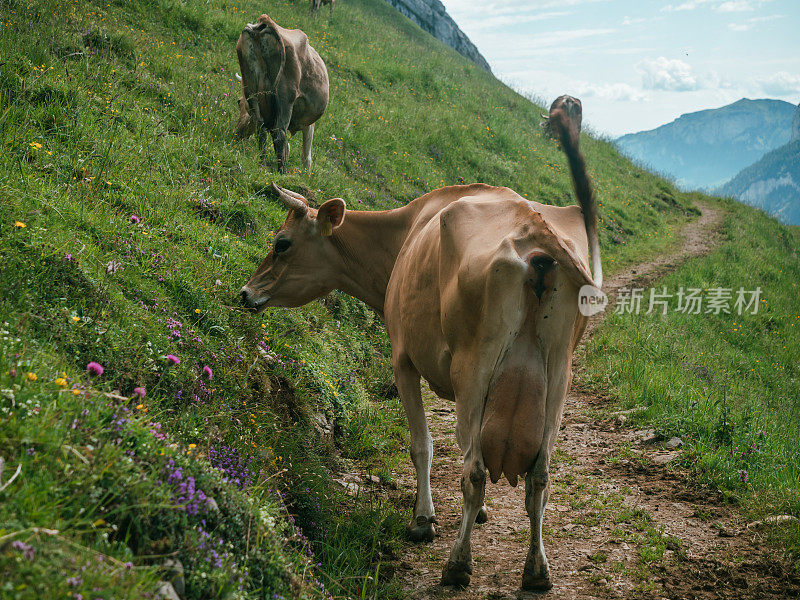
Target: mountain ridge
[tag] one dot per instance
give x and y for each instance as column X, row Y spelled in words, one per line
column 704, row 149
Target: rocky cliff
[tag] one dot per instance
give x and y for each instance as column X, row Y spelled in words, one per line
column 432, row 16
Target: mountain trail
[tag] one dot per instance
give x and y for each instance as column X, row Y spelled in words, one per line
column 621, row 521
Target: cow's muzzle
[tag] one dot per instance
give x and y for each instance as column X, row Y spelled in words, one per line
column 251, row 302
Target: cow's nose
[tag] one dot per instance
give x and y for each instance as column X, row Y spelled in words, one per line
column 245, row 293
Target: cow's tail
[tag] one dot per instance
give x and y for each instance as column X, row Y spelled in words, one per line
column 569, row 137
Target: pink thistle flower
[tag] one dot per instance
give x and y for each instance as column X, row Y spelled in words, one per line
column 95, row 368
column 173, row 359
column 140, row 392
column 135, row 219
column 209, row 373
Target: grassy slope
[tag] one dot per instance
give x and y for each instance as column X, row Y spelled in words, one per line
column 109, row 110
column 728, row 384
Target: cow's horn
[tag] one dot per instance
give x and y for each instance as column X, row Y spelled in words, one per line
column 290, row 199
column 544, row 116
column 238, row 77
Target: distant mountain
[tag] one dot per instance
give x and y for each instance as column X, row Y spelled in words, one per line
column 703, row 150
column 772, row 183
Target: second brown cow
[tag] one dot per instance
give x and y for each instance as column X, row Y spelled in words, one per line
column 284, row 87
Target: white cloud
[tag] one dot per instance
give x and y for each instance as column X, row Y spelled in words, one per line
column 501, row 20
column 780, row 84
column 667, row 74
column 736, row 6
column 629, row 21
column 614, row 91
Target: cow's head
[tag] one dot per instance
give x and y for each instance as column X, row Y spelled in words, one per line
column 572, row 109
column 299, row 268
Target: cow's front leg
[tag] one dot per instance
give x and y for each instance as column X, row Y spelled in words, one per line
column 280, row 141
column 458, row 569
column 308, row 140
column 421, row 528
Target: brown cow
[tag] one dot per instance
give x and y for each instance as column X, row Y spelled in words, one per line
column 479, row 291
column 571, row 107
column 315, row 5
column 284, row 87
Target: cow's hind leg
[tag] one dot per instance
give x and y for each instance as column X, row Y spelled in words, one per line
column 536, row 574
column 308, row 140
column 458, row 569
column 421, row 528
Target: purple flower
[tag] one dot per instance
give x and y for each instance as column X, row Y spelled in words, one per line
column 95, row 368
column 74, row 581
column 209, row 373
column 135, row 219
column 128, row 565
column 173, row 359
column 27, row 551
column 139, row 391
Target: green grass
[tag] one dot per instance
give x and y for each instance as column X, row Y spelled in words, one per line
column 726, row 383
column 115, row 109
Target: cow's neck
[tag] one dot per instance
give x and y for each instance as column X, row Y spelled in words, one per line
column 368, row 243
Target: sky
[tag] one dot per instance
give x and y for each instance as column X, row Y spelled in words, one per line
column 638, row 64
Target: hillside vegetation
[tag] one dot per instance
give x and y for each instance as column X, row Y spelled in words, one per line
column 129, row 219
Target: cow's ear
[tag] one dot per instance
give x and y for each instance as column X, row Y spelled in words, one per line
column 330, row 215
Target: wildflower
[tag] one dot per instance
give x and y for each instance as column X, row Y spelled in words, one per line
column 32, row 376
column 197, row 310
column 27, row 551
column 173, row 359
column 95, row 368
column 35, row 145
column 19, row 225
column 76, row 319
column 139, row 406
column 218, row 282
column 140, row 392
column 76, row 392
column 209, row 373
column 134, row 219
column 192, row 445
column 61, row 382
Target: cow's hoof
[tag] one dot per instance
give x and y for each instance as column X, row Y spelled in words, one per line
column 536, row 583
column 482, row 516
column 422, row 529
column 456, row 574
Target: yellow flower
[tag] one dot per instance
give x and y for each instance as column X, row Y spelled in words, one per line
column 32, row 376
column 61, row 382
column 139, row 406
column 20, row 224
column 197, row 310
column 76, row 319
column 76, row 392
column 35, row 145
column 192, row 445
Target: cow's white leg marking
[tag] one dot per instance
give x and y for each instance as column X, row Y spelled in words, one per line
column 407, row 378
column 458, row 569
column 308, row 139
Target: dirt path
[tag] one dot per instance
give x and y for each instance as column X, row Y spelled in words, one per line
column 620, row 523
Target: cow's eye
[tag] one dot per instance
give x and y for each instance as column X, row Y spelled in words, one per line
column 282, row 245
